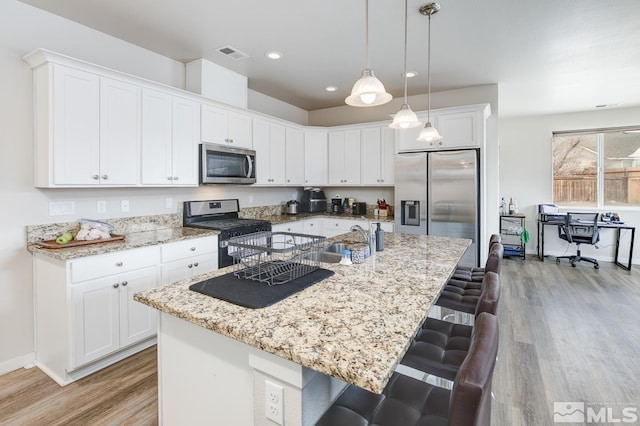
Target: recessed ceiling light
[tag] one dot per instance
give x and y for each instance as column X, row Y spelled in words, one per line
column 331, row 88
column 411, row 74
column 273, row 55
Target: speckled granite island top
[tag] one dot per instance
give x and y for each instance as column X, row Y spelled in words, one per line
column 355, row 325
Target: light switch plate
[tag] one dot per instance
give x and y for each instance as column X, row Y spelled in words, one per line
column 124, row 205
column 101, row 206
column 61, row 208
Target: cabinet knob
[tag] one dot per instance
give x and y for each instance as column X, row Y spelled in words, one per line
column 231, row 140
column 95, row 177
column 105, row 177
column 175, row 178
column 119, row 264
column 440, row 143
column 195, row 264
column 192, row 249
column 226, row 139
column 288, row 180
column 116, row 285
column 124, row 283
column 190, row 266
column 337, row 224
column 381, row 180
column 169, row 177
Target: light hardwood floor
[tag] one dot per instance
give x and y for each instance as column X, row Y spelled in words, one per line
column 125, row 393
column 566, row 334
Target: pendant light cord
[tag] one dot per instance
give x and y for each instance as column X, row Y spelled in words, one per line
column 429, row 72
column 366, row 26
column 405, row 51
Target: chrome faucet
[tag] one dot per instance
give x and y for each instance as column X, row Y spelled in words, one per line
column 365, row 235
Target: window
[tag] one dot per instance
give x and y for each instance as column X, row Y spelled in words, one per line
column 597, row 168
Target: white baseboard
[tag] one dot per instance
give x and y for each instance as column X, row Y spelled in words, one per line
column 23, row 361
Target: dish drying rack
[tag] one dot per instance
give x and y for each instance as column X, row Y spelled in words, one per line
column 275, row 257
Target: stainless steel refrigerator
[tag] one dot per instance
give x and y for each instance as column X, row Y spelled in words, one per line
column 437, row 193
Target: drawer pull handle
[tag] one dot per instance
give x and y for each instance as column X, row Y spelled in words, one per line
column 124, row 283
column 119, row 264
column 193, row 249
column 116, row 285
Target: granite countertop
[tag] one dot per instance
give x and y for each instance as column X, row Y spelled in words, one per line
column 286, row 218
column 132, row 240
column 355, row 325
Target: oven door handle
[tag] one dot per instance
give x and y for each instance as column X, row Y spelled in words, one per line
column 250, row 164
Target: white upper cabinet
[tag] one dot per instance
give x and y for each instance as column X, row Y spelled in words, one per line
column 186, row 137
column 119, row 132
column 269, row 144
column 344, row 157
column 294, row 170
column 74, row 120
column 460, row 127
column 226, row 127
column 378, row 154
column 315, row 157
column 87, row 129
column 170, row 137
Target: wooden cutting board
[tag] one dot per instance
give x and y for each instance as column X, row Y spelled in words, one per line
column 51, row 244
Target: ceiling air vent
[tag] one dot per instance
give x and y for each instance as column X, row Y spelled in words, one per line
column 232, row 53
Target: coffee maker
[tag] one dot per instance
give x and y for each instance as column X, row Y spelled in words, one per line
column 336, row 205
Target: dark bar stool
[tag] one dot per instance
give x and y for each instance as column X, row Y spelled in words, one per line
column 406, row 401
column 474, row 274
column 462, row 295
column 440, row 347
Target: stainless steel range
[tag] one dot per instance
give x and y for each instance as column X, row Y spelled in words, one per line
column 221, row 215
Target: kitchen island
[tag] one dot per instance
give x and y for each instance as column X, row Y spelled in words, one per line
column 216, row 358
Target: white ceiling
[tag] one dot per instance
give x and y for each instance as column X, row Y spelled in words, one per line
column 548, row 56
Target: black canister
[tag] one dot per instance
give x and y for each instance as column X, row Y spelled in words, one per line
column 379, row 238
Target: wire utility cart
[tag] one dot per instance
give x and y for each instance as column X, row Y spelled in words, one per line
column 511, row 229
column 275, row 257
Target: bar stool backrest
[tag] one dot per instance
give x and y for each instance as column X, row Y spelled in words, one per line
column 490, row 296
column 494, row 260
column 470, row 400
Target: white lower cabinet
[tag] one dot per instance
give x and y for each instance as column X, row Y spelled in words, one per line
column 105, row 317
column 85, row 315
column 294, row 227
column 186, row 259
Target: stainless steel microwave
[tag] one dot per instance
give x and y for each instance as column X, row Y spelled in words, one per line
column 224, row 164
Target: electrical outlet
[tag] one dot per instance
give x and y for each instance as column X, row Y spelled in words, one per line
column 274, row 402
column 101, row 206
column 168, row 203
column 124, row 205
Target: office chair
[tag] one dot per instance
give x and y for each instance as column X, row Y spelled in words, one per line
column 580, row 228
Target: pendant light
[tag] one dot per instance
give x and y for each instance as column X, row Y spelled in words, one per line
column 405, row 118
column 429, row 133
column 368, row 90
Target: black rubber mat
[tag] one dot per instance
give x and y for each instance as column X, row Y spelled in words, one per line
column 255, row 294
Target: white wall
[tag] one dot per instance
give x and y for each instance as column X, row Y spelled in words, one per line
column 525, row 171
column 22, row 30
column 267, row 105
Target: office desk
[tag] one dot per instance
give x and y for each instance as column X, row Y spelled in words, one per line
column 602, row 225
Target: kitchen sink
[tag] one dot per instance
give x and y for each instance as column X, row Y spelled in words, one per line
column 330, row 254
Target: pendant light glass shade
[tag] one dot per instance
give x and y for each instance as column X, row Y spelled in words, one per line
column 368, row 90
column 429, row 133
column 405, row 118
